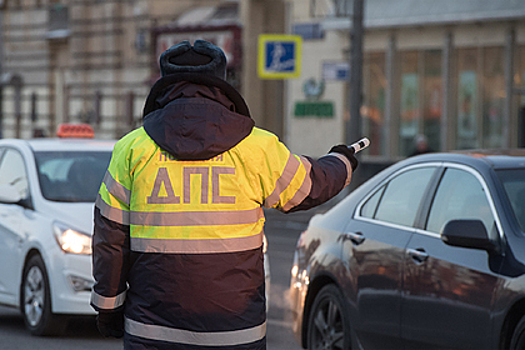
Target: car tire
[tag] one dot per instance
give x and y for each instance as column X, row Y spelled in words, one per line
column 35, row 301
column 329, row 321
column 518, row 337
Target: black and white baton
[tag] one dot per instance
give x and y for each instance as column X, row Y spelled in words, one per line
column 360, row 145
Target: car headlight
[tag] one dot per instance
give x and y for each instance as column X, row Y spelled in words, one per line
column 72, row 241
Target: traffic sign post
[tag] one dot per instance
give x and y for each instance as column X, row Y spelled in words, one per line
column 279, row 56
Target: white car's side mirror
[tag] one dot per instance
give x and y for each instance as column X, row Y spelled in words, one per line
column 9, row 194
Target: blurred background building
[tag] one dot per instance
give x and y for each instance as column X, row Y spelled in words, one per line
column 451, row 70
column 95, row 61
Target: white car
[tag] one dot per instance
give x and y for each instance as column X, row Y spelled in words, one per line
column 47, row 192
column 48, row 189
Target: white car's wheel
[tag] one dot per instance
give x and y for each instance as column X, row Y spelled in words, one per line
column 35, row 300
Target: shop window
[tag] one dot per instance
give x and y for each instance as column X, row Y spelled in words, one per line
column 519, row 84
column 493, row 96
column 374, row 84
column 467, row 98
column 409, row 104
column 519, row 70
column 432, row 86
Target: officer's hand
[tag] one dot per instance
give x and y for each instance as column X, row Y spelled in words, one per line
column 111, row 324
column 348, row 152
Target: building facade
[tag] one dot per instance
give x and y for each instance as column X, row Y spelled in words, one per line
column 94, row 61
column 451, row 70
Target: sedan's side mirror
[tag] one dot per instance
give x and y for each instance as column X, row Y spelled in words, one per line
column 467, row 234
column 9, row 194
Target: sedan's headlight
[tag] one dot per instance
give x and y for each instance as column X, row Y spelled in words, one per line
column 72, row 241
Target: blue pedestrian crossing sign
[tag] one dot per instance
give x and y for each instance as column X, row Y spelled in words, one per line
column 279, row 56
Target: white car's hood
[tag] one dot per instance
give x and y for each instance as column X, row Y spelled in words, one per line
column 77, row 215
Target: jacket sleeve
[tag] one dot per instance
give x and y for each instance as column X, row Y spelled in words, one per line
column 111, row 241
column 110, row 263
column 328, row 176
column 299, row 182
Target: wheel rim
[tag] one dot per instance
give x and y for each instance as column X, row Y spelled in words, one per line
column 34, row 290
column 328, row 327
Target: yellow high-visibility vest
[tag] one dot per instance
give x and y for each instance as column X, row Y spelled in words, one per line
column 205, row 206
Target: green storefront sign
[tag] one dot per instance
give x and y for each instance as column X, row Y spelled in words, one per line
column 314, row 109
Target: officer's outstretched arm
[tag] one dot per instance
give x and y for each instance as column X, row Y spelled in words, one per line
column 300, row 182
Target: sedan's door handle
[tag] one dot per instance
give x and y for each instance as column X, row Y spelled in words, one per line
column 418, row 254
column 356, row 237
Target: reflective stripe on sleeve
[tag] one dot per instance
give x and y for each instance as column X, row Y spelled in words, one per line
column 347, row 163
column 291, row 167
column 108, row 303
column 193, row 246
column 174, row 335
column 118, row 215
column 305, row 188
column 116, row 189
column 196, row 218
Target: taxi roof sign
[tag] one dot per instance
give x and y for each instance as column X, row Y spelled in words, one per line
column 279, row 56
column 75, row 131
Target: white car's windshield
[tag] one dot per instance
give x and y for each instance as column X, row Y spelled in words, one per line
column 71, row 176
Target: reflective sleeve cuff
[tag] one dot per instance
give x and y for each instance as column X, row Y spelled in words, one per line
column 107, row 303
column 346, row 162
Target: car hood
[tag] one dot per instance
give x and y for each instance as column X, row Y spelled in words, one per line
column 77, row 215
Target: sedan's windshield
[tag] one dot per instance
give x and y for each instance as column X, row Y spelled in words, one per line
column 71, row 176
column 514, row 183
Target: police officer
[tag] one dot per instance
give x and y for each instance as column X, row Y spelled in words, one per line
column 177, row 245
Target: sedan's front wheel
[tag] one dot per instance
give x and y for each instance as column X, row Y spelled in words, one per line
column 517, row 341
column 35, row 301
column 329, row 321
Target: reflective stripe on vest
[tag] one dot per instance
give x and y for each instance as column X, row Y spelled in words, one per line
column 196, row 218
column 108, row 303
column 116, row 189
column 183, row 218
column 192, row 246
column 173, row 335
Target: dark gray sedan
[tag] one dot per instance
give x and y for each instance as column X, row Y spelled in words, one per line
column 429, row 253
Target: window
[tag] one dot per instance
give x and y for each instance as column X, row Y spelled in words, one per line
column 409, row 127
column 374, row 82
column 519, row 69
column 13, row 172
column 432, row 98
column 369, row 208
column 460, row 195
column 467, row 98
column 493, row 96
column 403, row 195
column 71, row 176
column 513, row 181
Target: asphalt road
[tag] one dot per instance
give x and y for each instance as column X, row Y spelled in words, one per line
column 282, row 232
